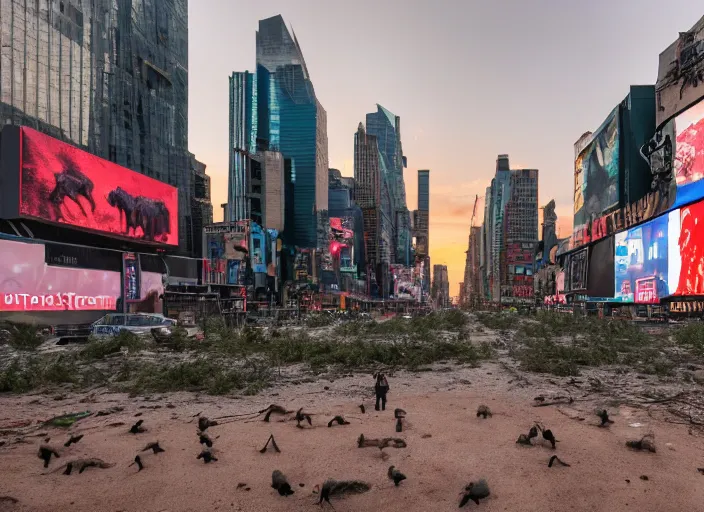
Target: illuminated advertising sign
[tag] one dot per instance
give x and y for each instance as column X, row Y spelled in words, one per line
column 342, row 228
column 130, row 276
column 27, row 283
column 689, row 154
column 686, row 307
column 596, row 173
column 680, row 73
column 61, row 184
column 643, row 269
column 687, row 253
column 405, row 284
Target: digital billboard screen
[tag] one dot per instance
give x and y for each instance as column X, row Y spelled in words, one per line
column 27, row 283
column 62, row 184
column 644, row 270
column 405, row 284
column 688, row 253
column 596, row 173
column 689, row 154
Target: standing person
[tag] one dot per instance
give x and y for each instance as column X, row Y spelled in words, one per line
column 381, row 388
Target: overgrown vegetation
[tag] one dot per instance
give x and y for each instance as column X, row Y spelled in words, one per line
column 559, row 344
column 21, row 336
column 201, row 375
column 36, row 372
column 100, row 348
column 500, row 321
column 245, row 360
column 319, row 320
column 420, row 328
column 691, row 336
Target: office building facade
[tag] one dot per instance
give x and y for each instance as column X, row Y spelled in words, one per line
column 109, row 77
column 510, row 233
column 441, row 286
column 386, row 127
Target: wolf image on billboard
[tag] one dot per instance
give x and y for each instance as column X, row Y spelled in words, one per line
column 62, row 184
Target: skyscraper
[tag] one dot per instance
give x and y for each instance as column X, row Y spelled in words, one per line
column 472, row 276
column 497, row 197
column 386, row 127
column 520, row 234
column 510, row 232
column 243, row 142
column 110, row 77
column 277, row 110
column 421, row 228
column 441, row 286
column 369, row 170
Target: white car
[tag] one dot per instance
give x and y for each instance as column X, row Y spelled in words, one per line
column 138, row 323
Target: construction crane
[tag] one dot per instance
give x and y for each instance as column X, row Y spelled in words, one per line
column 474, row 212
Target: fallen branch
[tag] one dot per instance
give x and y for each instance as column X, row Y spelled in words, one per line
column 578, row 418
column 273, row 443
column 556, row 402
column 666, row 399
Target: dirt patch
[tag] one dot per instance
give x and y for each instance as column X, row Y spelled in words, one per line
column 447, row 446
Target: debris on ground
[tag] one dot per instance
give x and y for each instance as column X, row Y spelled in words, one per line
column 333, row 488
column 300, row 416
column 555, row 459
column 483, row 411
column 66, row 420
column 273, row 409
column 475, row 491
column 137, row 428
column 604, row 417
column 204, row 423
column 396, row 475
column 82, row 464
column 73, row 440
column 207, row 456
column 111, row 410
column 273, row 443
column 279, row 482
column 339, row 420
column 645, row 443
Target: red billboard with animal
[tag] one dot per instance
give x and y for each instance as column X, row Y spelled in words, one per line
column 62, row 184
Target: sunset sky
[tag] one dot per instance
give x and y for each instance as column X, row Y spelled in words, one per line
column 469, row 79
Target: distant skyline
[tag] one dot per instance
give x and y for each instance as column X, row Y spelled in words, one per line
column 469, row 79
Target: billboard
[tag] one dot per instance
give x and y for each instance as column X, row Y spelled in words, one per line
column 405, row 284
column 689, row 154
column 688, row 251
column 61, row 184
column 226, row 252
column 644, row 273
column 28, row 283
column 600, row 275
column 576, row 271
column 680, row 73
column 596, row 173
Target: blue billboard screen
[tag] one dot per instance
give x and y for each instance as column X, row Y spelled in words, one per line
column 642, row 264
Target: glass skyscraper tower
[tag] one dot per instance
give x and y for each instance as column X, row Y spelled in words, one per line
column 386, row 127
column 277, row 110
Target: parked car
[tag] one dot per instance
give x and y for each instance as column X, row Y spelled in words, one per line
column 138, row 323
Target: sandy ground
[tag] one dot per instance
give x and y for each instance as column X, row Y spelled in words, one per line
column 447, row 447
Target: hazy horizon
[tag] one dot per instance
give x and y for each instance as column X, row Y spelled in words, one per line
column 470, row 80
